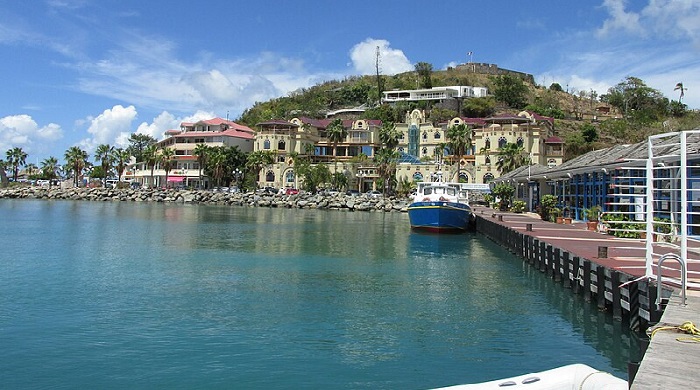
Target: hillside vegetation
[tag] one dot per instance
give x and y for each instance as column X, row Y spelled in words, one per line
column 635, row 110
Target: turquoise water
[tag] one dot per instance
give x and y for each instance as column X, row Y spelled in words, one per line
column 135, row 295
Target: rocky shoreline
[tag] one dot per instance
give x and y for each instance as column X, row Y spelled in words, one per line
column 249, row 199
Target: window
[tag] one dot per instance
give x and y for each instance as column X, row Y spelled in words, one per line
column 266, row 144
column 502, row 142
column 520, row 142
column 425, row 136
column 418, row 176
column 270, row 176
column 488, row 178
column 488, row 160
column 436, row 135
column 487, row 143
column 425, row 150
column 281, row 145
column 289, row 177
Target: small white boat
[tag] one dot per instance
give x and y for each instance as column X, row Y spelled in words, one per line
column 571, row 377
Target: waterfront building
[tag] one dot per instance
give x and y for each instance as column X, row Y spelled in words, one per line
column 183, row 141
column 422, row 147
column 618, row 180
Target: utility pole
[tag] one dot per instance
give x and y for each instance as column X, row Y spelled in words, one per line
column 378, row 62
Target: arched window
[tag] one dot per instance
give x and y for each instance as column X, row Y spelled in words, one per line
column 425, row 150
column 437, row 135
column 487, row 143
column 520, row 142
column 266, row 144
column 488, row 178
column 281, row 145
column 502, row 142
column 463, row 177
column 551, row 163
column 270, row 176
column 289, row 177
column 425, row 136
column 488, row 160
column 418, row 176
column 401, row 149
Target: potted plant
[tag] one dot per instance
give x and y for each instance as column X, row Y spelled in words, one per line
column 547, row 204
column 592, row 215
column 557, row 215
column 518, row 206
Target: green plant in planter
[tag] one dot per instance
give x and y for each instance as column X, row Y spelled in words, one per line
column 555, row 213
column 505, row 193
column 664, row 227
column 547, row 204
column 518, row 206
column 593, row 213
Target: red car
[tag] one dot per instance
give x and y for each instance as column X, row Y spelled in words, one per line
column 291, row 191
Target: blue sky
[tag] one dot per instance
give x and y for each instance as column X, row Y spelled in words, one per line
column 87, row 72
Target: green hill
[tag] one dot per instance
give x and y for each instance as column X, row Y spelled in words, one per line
column 583, row 119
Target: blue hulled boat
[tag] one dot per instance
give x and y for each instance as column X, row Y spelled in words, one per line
column 441, row 208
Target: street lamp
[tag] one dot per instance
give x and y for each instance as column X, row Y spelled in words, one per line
column 237, row 175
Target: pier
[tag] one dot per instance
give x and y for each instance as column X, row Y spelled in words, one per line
column 610, row 272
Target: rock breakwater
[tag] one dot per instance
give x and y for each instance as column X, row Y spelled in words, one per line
column 248, row 199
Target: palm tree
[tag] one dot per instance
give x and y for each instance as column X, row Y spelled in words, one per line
column 510, row 157
column 389, row 135
column 151, row 158
column 121, row 157
column 4, row 181
column 167, row 161
column 679, row 86
column 459, row 140
column 50, row 168
column 336, row 132
column 76, row 159
column 16, row 157
column 257, row 160
column 103, row 155
column 201, row 151
column 386, row 166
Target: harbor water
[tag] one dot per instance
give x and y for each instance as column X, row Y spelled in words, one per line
column 142, row 295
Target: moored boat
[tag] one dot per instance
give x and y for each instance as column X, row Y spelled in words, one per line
column 440, row 207
column 573, row 377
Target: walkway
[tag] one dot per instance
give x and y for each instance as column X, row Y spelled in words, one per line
column 669, row 361
column 623, row 254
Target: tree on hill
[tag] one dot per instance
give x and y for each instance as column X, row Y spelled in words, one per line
column 637, row 101
column 425, row 73
column 510, row 90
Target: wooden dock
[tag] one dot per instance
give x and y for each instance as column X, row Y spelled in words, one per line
column 610, row 272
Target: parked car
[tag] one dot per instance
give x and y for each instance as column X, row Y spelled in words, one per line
column 291, row 191
column 352, row 193
column 373, row 194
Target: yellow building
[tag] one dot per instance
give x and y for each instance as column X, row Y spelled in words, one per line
column 422, row 145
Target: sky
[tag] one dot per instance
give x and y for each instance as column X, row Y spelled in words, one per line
column 90, row 72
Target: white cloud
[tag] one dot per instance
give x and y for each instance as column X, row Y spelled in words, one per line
column 109, row 127
column 364, row 57
column 22, row 131
column 167, row 121
column 620, row 19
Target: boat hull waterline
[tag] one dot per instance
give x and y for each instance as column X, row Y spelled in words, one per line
column 440, row 216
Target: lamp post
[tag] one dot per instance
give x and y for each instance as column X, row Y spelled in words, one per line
column 237, row 175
